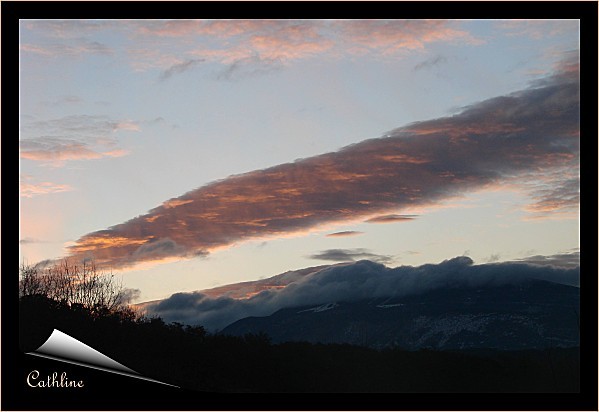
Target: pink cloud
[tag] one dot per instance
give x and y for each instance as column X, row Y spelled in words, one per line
column 538, row 29
column 57, row 151
column 29, row 189
column 533, row 131
column 69, row 138
column 391, row 36
column 289, row 40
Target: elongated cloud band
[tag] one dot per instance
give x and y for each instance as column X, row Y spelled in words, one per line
column 533, row 131
column 390, row 218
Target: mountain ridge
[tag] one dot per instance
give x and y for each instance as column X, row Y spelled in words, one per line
column 534, row 315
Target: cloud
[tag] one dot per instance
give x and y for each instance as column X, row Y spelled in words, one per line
column 249, row 67
column 252, row 47
column 432, row 62
column 353, row 282
column 291, row 41
column 350, row 255
column 345, row 233
column 538, row 29
column 66, row 29
column 56, row 151
column 391, row 218
column 80, row 137
column 179, row 68
column 532, row 132
column 493, row 258
column 170, row 28
column 74, row 49
column 556, row 195
column 161, row 249
column 64, row 100
column 392, row 36
column 29, row 188
column 86, row 125
column 30, row 240
column 244, row 47
column 152, row 58
column 128, row 295
column 175, row 202
column 560, row 260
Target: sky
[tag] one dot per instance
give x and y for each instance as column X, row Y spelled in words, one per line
column 189, row 154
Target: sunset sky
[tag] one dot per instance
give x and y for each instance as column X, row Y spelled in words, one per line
column 185, row 155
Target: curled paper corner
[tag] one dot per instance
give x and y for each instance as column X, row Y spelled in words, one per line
column 64, row 348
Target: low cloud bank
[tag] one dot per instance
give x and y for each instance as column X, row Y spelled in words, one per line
column 353, row 282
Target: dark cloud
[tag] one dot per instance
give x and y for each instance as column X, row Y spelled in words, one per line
column 179, row 68
column 493, row 258
column 391, row 218
column 345, row 233
column 29, row 240
column 249, row 67
column 357, row 281
column 158, row 249
column 428, row 63
column 534, row 131
column 560, row 260
column 70, row 99
column 350, row 255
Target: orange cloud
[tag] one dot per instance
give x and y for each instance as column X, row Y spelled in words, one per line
column 71, row 151
column 27, row 189
column 531, row 131
column 175, row 202
column 104, row 242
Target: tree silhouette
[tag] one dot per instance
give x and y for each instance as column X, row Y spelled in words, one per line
column 75, row 286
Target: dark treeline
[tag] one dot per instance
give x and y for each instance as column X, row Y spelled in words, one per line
column 192, row 358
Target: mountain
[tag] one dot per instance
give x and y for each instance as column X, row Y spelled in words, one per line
column 355, row 282
column 532, row 314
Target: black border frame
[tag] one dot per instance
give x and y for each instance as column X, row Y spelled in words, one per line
column 113, row 392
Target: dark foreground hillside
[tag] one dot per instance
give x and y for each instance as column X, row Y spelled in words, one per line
column 191, row 358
